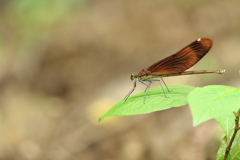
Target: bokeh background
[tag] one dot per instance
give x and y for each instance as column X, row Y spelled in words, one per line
column 63, row 63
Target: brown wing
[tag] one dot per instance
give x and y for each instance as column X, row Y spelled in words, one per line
column 184, row 59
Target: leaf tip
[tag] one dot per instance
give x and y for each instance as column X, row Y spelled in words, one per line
column 99, row 120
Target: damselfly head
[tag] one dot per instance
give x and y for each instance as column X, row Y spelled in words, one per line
column 133, row 76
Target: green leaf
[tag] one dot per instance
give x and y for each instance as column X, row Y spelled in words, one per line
column 155, row 100
column 234, row 153
column 227, row 123
column 212, row 102
column 221, row 150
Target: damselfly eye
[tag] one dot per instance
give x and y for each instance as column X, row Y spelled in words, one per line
column 132, row 77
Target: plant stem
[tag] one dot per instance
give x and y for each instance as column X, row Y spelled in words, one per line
column 236, row 129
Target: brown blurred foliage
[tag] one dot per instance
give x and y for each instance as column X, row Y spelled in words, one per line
column 64, row 63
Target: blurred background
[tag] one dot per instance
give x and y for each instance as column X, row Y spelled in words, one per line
column 64, row 63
